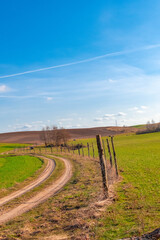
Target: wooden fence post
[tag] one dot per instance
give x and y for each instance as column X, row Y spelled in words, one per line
column 114, row 154
column 79, row 150
column 93, row 150
column 88, row 149
column 109, row 151
column 82, row 150
column 104, row 149
column 103, row 165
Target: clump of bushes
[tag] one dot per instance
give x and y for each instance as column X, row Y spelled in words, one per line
column 151, row 127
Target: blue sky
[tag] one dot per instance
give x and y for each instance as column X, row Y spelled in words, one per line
column 123, row 86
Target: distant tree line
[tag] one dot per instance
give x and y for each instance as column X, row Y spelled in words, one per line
column 150, row 128
column 54, row 136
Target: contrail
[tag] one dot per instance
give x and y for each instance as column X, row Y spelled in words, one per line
column 84, row 61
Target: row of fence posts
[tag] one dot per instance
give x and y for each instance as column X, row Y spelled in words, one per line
column 102, row 152
column 103, row 162
column 70, row 149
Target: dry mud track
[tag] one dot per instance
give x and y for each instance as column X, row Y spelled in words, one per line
column 43, row 176
column 41, row 196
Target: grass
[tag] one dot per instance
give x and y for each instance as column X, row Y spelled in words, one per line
column 58, row 171
column 15, row 169
column 136, row 209
column 137, row 206
column 139, row 126
column 11, row 230
column 5, row 147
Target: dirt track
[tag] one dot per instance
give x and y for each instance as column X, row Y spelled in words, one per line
column 41, row 196
column 44, row 175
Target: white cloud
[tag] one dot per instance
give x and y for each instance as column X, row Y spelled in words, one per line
column 66, row 119
column 144, row 107
column 49, row 98
column 140, row 111
column 109, row 115
column 133, row 109
column 98, row 119
column 3, row 88
column 111, row 80
column 37, row 125
column 120, row 114
column 77, row 126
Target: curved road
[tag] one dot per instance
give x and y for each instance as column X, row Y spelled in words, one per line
column 41, row 196
column 43, row 176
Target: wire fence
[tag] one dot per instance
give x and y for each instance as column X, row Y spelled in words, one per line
column 102, row 149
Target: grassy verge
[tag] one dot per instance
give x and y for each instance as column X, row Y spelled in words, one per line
column 137, row 207
column 16, row 169
column 28, row 180
column 54, row 176
column 5, row 147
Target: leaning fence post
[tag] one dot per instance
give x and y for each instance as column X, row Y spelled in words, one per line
column 114, row 154
column 88, row 149
column 103, row 166
column 109, row 151
column 93, row 149
column 79, row 150
column 104, row 149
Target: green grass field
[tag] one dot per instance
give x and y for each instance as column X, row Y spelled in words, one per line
column 137, row 206
column 136, row 209
column 15, row 169
column 5, row 147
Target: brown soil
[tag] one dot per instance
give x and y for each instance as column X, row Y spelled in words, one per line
column 34, row 136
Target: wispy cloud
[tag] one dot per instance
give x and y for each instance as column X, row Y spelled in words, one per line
column 49, row 98
column 140, row 109
column 4, row 88
column 110, row 116
column 37, row 125
column 144, row 107
column 111, row 80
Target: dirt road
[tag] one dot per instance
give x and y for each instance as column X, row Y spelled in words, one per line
column 44, row 175
column 41, row 196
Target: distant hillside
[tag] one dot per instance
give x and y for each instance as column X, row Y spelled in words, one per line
column 34, row 136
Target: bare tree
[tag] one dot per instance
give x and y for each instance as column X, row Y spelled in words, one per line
column 55, row 136
column 43, row 136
